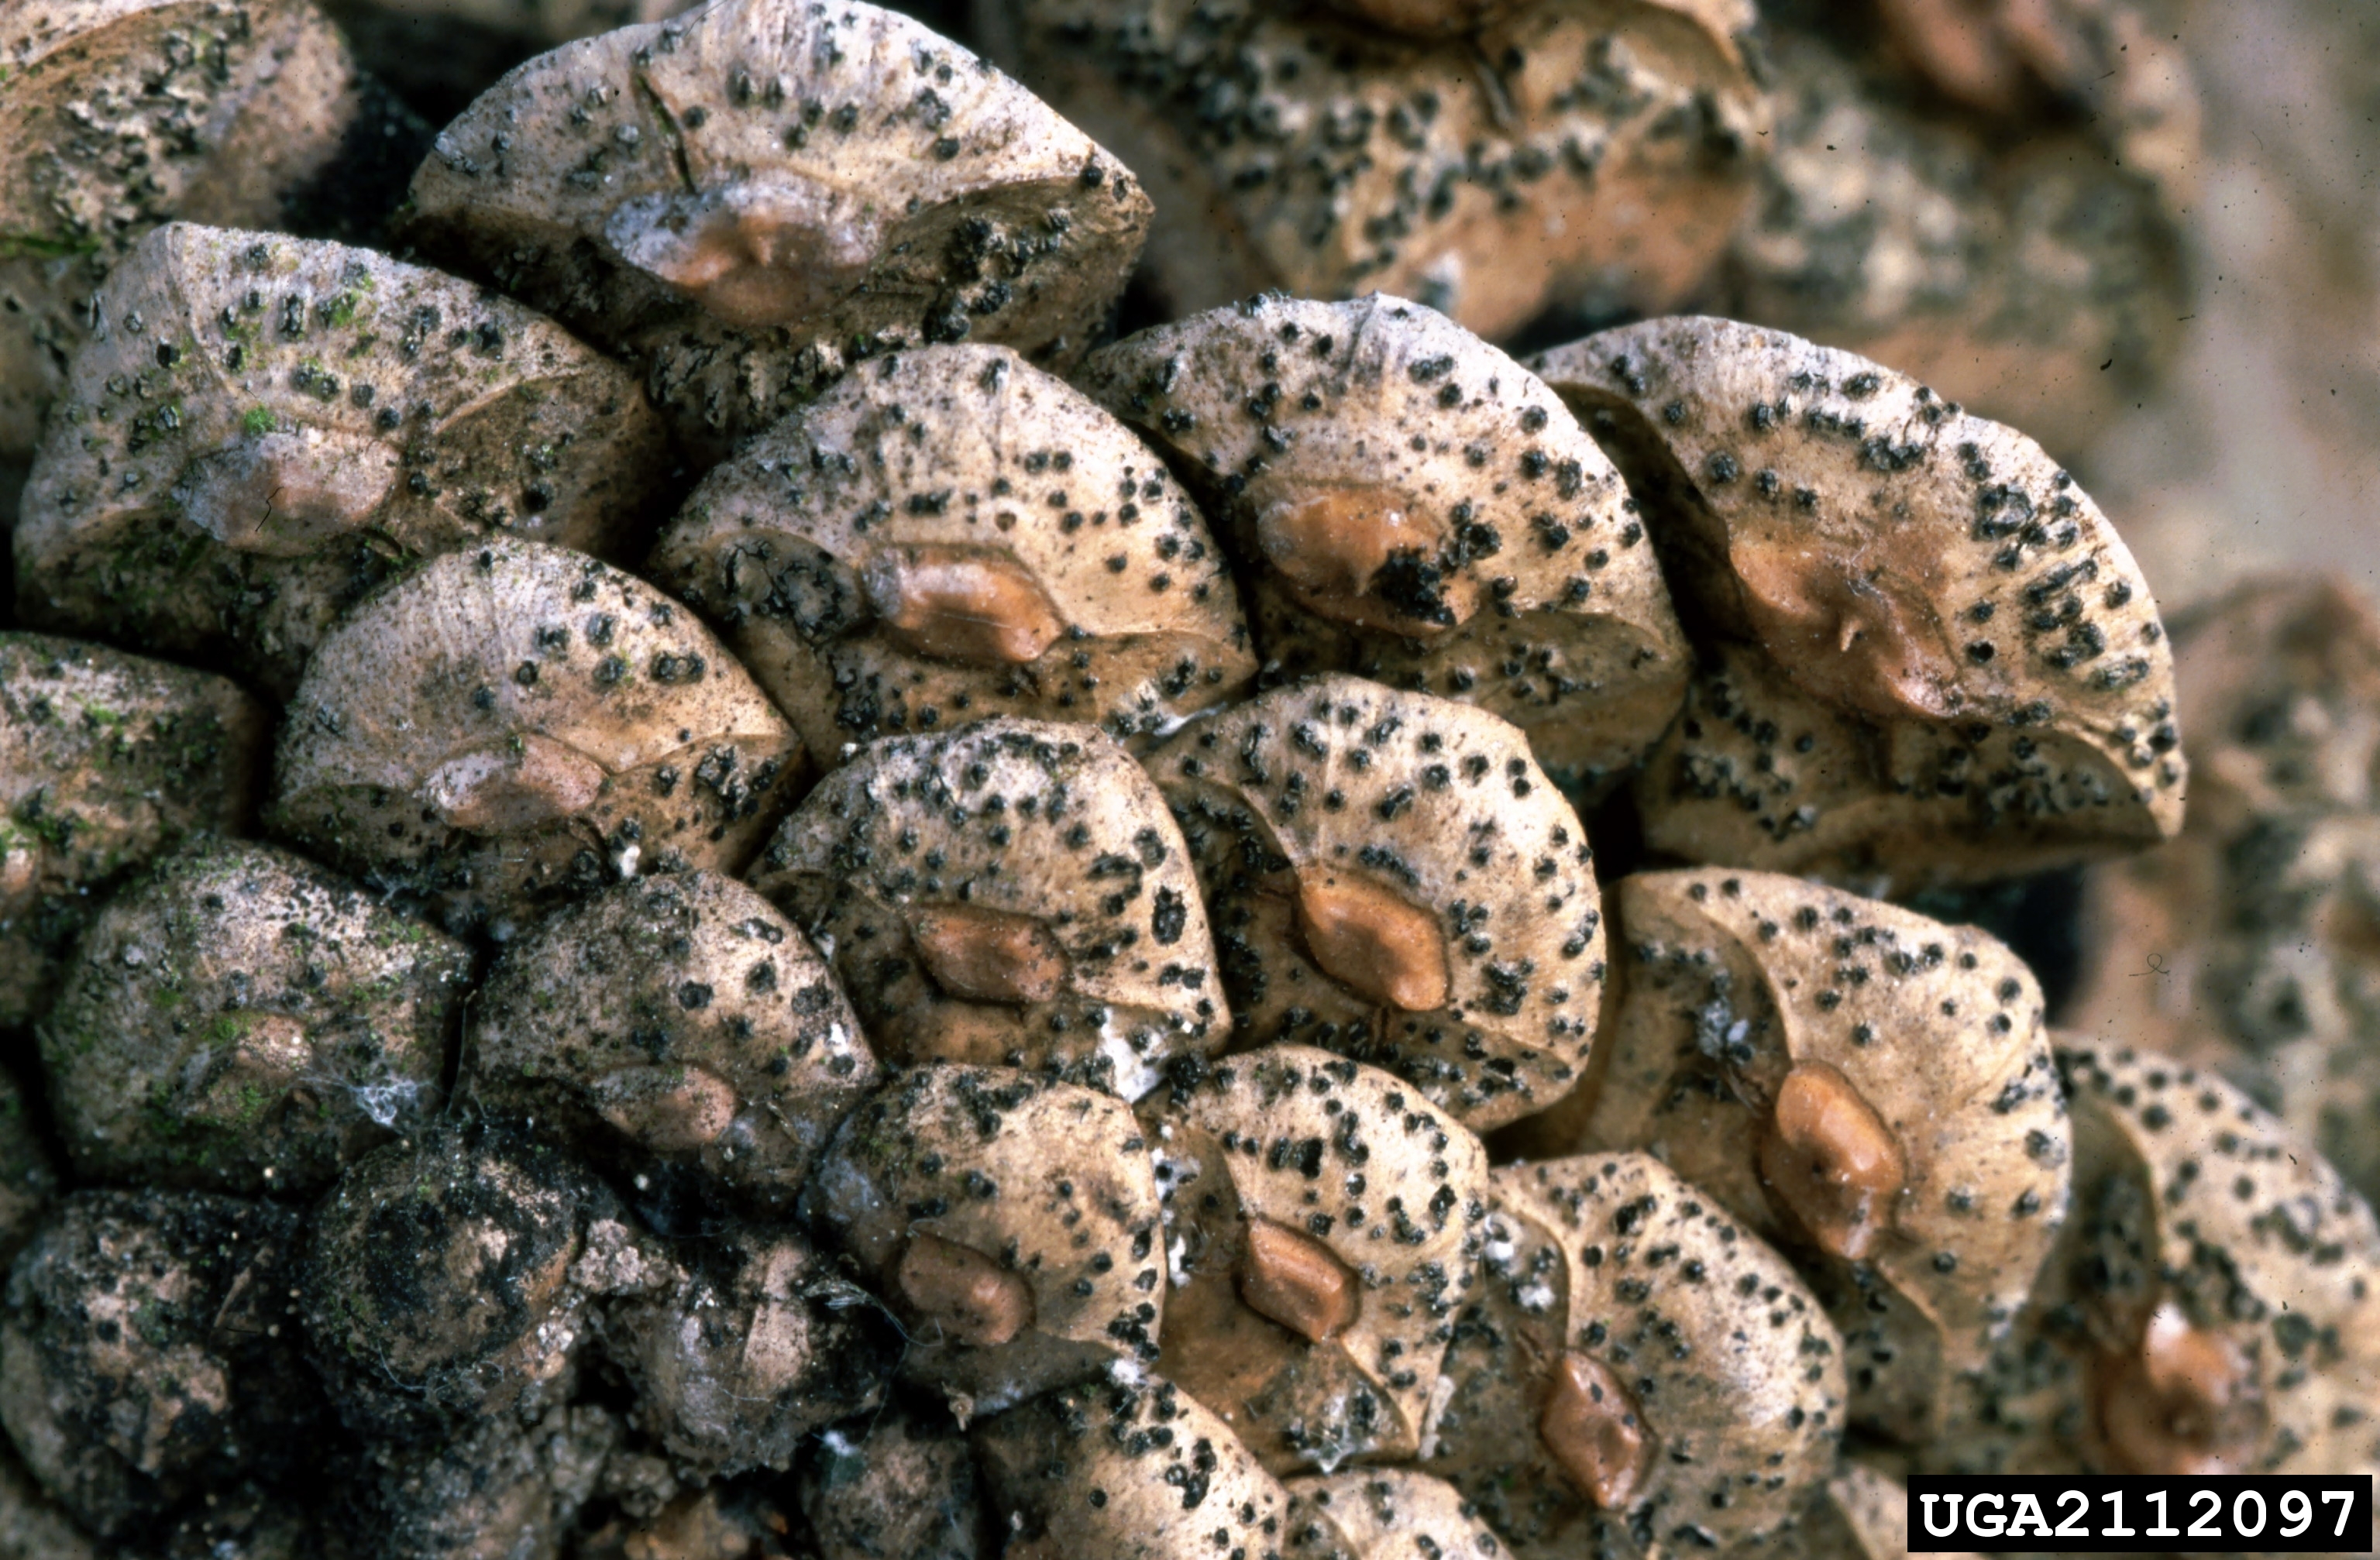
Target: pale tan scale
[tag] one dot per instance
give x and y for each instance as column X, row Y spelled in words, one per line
column 1868, row 1089
column 274, row 425
column 786, row 192
column 1414, row 506
column 2038, row 280
column 512, row 1245
column 1496, row 161
column 1322, row 1220
column 107, row 761
column 737, row 1355
column 899, row 1482
column 1010, row 1222
column 243, row 1022
column 151, row 1351
column 1014, row 893
column 2131, row 1355
column 2273, row 887
column 952, row 535
column 211, row 111
column 1635, row 1362
column 1390, row 876
column 678, row 1018
column 1383, row 1514
column 1928, row 656
column 1103, row 1469
column 535, row 718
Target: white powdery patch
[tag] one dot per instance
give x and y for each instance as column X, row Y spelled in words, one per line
column 387, row 1101
column 1440, row 1396
column 1133, row 1075
column 1160, row 726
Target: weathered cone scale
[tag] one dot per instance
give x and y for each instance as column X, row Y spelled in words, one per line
column 116, row 116
column 1584, row 156
column 1428, row 18
column 106, row 762
column 901, row 1481
column 682, row 1014
column 1417, row 508
column 1012, row 893
column 2260, row 915
column 751, row 199
column 1928, row 656
column 1394, row 878
column 1635, row 1362
column 741, row 1354
column 953, row 535
column 31, row 1523
column 2110, row 58
column 244, row 1022
column 448, row 1279
column 1322, row 1222
column 1384, row 1514
column 746, row 1519
column 544, row 22
column 29, row 1172
column 498, row 1489
column 1862, row 1086
column 272, row 427
column 1859, row 1514
column 2211, row 1308
column 2040, row 284
column 1135, row 1468
column 255, row 1520
column 1010, row 1222
column 514, row 724
column 148, row 1350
